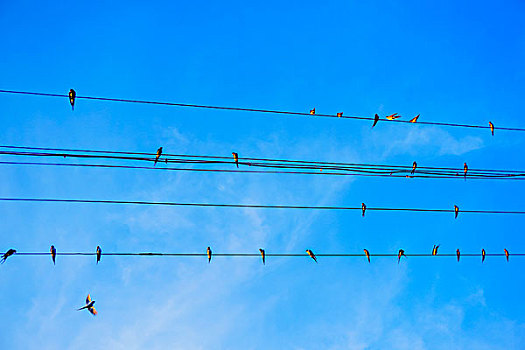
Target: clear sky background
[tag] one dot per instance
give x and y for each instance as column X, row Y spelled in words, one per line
column 449, row 61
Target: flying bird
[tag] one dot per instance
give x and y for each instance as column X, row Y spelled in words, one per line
column 208, row 251
column 400, row 254
column 89, row 306
column 312, row 111
column 458, row 254
column 491, row 128
column 72, row 96
column 413, row 120
column 465, row 169
column 7, row 255
column 456, row 211
column 435, row 249
column 159, row 153
column 376, row 119
column 236, row 158
column 99, row 253
column 339, row 115
column 363, row 209
column 311, row 254
column 393, row 116
column 53, row 253
column 414, row 166
column 367, row 254
column 482, row 255
column 506, row 254
column 263, row 255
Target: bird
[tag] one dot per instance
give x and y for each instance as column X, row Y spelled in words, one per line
column 367, row 254
column 53, row 253
column 435, row 249
column 99, row 253
column 339, row 114
column 376, row 119
column 465, row 169
column 363, row 209
column 458, row 254
column 414, row 166
column 413, row 120
column 159, row 153
column 72, row 96
column 208, row 252
column 456, row 211
column 400, row 254
column 491, row 128
column 311, row 254
column 312, row 111
column 236, row 158
column 482, row 255
column 506, row 254
column 263, row 255
column 7, row 255
column 393, row 116
column 89, row 306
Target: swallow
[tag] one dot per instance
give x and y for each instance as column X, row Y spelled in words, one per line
column 376, row 119
column 363, row 209
column 482, row 255
column 506, row 254
column 312, row 111
column 311, row 254
column 491, row 128
column 393, row 116
column 413, row 120
column 456, row 211
column 208, row 251
column 414, row 166
column 263, row 255
column 159, row 153
column 72, row 96
column 367, row 254
column 99, row 253
column 458, row 254
column 435, row 249
column 89, row 306
column 53, row 253
column 7, row 255
column 400, row 254
column 339, row 115
column 236, row 158
column 465, row 169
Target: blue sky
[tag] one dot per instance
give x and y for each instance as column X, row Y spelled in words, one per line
column 448, row 61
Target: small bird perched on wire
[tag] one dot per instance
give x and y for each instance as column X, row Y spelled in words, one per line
column 491, row 128
column 400, row 254
column 465, row 169
column 413, row 120
column 72, row 96
column 311, row 254
column 236, row 158
column 53, row 252
column 99, row 253
column 414, row 166
column 312, row 111
column 89, row 306
column 376, row 119
column 339, row 114
column 363, row 209
column 506, row 254
column 456, row 211
column 435, row 250
column 7, row 255
column 393, row 116
column 159, row 153
column 367, row 254
column 263, row 255
column 482, row 255
column 208, row 252
column 458, row 254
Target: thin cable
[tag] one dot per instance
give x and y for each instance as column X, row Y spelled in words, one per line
column 253, row 206
column 252, row 110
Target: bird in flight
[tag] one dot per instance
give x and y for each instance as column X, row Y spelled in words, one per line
column 311, row 254
column 99, row 253
column 363, row 209
column 159, row 153
column 506, row 254
column 339, row 114
column 465, row 169
column 393, row 116
column 7, row 255
column 89, row 306
column 491, row 128
column 312, row 111
column 72, row 96
column 414, row 166
column 236, row 158
column 376, row 119
column 456, row 211
column 482, row 255
column 458, row 254
column 435, row 249
column 400, row 254
column 53, row 253
column 208, row 252
column 367, row 254
column 413, row 120
column 263, row 255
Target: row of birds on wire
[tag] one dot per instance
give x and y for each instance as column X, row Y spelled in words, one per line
column 209, row 254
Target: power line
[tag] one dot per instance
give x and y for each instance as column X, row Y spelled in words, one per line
column 253, row 110
column 253, row 206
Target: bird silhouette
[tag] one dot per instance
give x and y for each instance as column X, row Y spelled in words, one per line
column 491, row 128
column 465, row 169
column 482, row 255
column 72, row 96
column 435, row 249
column 414, row 166
column 7, row 255
column 456, row 211
column 99, row 253
column 400, row 254
column 236, row 158
column 53, row 253
column 208, row 252
column 159, row 153
column 367, row 254
column 89, row 306
column 363, row 209
column 263, row 255
column 506, row 254
column 376, row 119
column 311, row 254
column 393, row 116
column 339, row 115
column 312, row 111
column 413, row 120
column 458, row 254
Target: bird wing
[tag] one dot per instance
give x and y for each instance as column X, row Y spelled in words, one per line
column 88, row 299
column 93, row 310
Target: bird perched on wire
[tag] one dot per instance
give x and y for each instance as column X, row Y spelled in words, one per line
column 456, row 211
column 367, row 254
column 312, row 111
column 363, row 209
column 89, row 306
column 376, row 119
column 465, row 169
column 339, row 114
column 7, row 255
column 413, row 120
column 482, row 255
column 458, row 254
column 53, row 252
column 236, row 158
column 263, row 255
column 400, row 254
column 159, row 153
column 72, row 96
column 311, row 254
column 491, row 128
column 414, row 166
column 99, row 253
column 506, row 254
column 435, row 249
column 393, row 116
column 208, row 252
